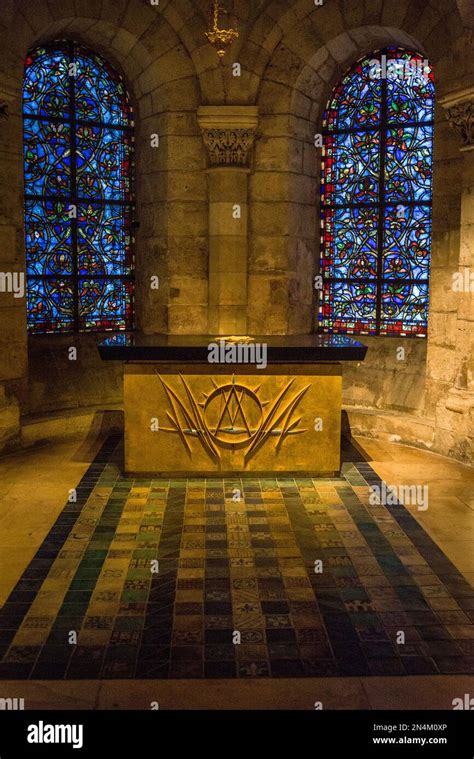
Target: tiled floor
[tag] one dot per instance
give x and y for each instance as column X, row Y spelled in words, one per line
column 230, row 568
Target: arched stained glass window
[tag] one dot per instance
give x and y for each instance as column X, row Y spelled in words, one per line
column 78, row 157
column 376, row 197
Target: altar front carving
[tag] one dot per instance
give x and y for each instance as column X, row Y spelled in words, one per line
column 192, row 418
column 179, row 420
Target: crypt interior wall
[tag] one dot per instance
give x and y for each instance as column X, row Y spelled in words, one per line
column 291, row 54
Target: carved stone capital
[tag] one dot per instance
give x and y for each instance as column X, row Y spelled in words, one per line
column 228, row 146
column 228, row 133
column 460, row 110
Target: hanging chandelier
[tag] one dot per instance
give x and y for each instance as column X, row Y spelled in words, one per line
column 220, row 38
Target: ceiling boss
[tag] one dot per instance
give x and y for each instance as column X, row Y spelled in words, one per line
column 219, row 38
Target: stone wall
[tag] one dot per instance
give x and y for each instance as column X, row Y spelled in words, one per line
column 291, row 55
column 57, row 382
column 13, row 352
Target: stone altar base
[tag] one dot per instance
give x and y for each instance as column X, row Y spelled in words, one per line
column 181, row 420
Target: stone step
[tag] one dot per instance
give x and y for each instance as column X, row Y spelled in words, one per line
column 392, row 426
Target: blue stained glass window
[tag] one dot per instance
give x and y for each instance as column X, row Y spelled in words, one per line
column 78, row 158
column 376, row 197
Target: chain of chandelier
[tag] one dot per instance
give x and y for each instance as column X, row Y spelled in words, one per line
column 220, row 39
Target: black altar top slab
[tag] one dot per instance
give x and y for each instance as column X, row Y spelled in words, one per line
column 195, row 348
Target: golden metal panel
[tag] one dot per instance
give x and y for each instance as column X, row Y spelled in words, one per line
column 181, row 420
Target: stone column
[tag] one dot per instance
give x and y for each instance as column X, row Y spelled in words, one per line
column 460, row 401
column 228, row 134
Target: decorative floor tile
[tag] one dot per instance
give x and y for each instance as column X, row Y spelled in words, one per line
column 235, row 592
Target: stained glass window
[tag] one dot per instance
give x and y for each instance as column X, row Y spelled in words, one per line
column 376, row 197
column 78, row 158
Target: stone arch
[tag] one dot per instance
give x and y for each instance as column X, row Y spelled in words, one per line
column 299, row 53
column 292, row 95
column 320, row 75
column 311, row 91
column 141, row 42
column 301, row 27
column 172, row 238
column 302, row 67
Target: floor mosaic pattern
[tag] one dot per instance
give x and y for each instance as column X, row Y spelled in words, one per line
column 228, row 565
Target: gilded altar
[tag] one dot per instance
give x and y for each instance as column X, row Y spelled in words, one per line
column 196, row 418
